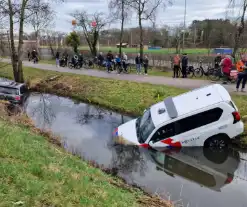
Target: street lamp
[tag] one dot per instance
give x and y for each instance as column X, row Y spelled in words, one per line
column 185, row 5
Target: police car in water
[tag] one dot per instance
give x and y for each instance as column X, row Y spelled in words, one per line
column 206, row 116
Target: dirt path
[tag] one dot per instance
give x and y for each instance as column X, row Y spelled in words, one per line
column 179, row 83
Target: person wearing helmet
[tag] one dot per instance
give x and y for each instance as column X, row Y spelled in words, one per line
column 217, row 60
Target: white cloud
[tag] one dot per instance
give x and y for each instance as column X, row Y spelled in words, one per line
column 172, row 15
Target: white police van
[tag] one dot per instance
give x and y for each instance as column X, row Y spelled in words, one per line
column 202, row 117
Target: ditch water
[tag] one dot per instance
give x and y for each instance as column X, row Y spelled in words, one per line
column 191, row 177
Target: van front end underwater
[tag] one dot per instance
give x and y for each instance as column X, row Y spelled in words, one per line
column 206, row 117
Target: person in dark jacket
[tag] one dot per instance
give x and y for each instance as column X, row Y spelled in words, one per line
column 145, row 64
column 217, row 60
column 185, row 62
column 100, row 59
column 29, row 55
column 57, row 59
column 138, row 61
column 109, row 59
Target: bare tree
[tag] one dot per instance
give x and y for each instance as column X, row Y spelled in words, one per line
column 18, row 12
column 240, row 22
column 41, row 19
column 121, row 10
column 146, row 10
column 91, row 33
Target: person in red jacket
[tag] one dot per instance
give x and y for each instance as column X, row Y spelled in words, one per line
column 226, row 65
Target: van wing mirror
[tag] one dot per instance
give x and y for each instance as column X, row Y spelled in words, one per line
column 151, row 144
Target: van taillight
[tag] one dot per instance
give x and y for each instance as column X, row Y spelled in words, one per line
column 17, row 98
column 236, row 116
column 229, row 178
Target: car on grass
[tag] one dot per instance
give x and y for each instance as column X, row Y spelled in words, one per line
column 206, row 116
column 13, row 92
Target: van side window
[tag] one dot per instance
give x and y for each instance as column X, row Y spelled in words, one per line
column 7, row 90
column 164, row 132
column 187, row 124
column 23, row 89
column 199, row 120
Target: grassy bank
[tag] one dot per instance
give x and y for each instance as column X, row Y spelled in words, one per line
column 36, row 173
column 124, row 96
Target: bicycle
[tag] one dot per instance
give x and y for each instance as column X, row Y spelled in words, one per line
column 189, row 71
column 199, row 72
column 217, row 75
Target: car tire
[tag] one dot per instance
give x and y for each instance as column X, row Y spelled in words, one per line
column 218, row 141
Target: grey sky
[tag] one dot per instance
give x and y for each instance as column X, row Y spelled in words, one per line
column 172, row 15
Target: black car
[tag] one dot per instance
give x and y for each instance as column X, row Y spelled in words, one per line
column 13, row 92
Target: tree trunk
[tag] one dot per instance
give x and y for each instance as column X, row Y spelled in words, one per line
column 122, row 27
column 141, row 35
column 240, row 31
column 20, row 45
column 12, row 42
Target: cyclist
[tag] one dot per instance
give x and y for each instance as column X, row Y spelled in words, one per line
column 217, row 60
column 109, row 58
column 100, row 59
column 118, row 63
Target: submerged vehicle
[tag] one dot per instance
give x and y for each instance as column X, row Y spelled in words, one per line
column 13, row 92
column 206, row 116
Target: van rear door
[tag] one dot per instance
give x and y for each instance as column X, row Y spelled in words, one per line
column 8, row 93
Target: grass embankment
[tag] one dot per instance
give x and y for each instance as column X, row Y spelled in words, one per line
column 124, row 96
column 35, row 173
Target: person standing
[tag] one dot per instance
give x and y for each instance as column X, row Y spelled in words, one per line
column 145, row 64
column 184, row 65
column 138, row 62
column 109, row 59
column 124, row 60
column 217, row 60
column 57, row 59
column 176, row 66
column 29, row 55
column 118, row 63
column 242, row 73
column 226, row 65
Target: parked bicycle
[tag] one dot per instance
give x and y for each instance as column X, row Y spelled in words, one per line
column 218, row 75
column 189, row 71
column 199, row 72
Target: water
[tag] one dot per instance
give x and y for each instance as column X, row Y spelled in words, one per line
column 191, row 177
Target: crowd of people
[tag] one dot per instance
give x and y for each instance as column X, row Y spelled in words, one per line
column 225, row 63
column 122, row 62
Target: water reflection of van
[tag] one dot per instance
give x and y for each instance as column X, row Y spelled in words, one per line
column 212, row 169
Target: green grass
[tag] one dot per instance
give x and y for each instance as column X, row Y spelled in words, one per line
column 124, row 96
column 39, row 174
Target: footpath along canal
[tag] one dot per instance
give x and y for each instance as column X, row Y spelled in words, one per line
column 191, row 177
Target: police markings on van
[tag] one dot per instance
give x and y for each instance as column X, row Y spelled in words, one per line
column 190, row 140
column 196, row 118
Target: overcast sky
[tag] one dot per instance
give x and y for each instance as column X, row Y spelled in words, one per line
column 172, row 15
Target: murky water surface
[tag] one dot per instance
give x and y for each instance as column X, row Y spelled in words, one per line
column 191, row 177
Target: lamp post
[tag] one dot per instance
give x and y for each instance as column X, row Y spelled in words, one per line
column 185, row 5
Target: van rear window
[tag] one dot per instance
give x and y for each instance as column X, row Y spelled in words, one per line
column 6, row 90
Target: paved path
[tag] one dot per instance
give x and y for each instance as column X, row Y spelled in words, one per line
column 179, row 83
